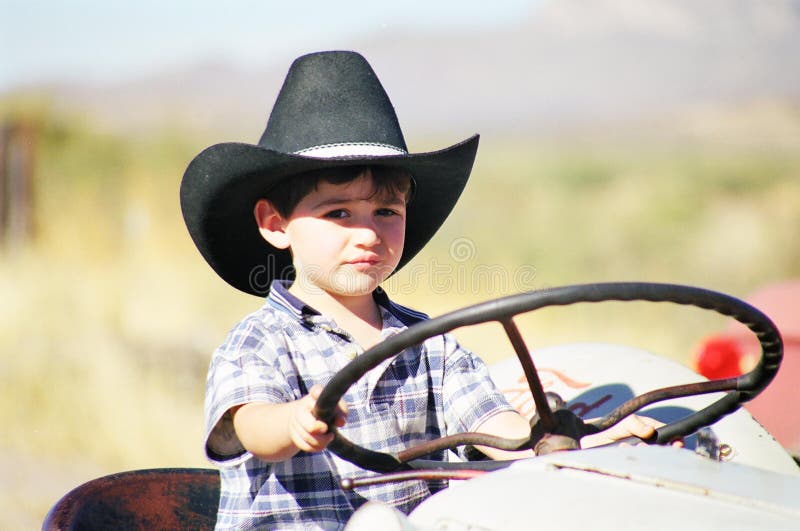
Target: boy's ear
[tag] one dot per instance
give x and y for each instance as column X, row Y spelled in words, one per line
column 270, row 224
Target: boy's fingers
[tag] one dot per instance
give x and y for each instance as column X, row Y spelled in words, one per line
column 640, row 426
column 341, row 415
column 319, row 428
column 644, row 428
column 307, row 432
column 312, row 424
column 650, row 421
column 308, row 443
column 657, row 424
column 310, row 435
column 315, row 391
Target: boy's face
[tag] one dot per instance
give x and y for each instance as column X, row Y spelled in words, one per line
column 345, row 239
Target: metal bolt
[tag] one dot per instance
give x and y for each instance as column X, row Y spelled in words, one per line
column 725, row 452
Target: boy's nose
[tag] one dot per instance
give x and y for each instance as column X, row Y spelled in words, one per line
column 366, row 235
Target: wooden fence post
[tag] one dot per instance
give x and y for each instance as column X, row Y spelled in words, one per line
column 17, row 166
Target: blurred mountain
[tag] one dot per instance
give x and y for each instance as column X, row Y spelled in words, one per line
column 572, row 65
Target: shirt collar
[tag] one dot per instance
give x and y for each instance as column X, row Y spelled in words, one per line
column 280, row 297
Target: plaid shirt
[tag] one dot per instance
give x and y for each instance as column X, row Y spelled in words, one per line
column 276, row 354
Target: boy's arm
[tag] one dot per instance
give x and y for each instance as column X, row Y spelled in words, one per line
column 275, row 432
column 511, row 424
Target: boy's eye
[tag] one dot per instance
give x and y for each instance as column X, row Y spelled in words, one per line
column 386, row 212
column 336, row 214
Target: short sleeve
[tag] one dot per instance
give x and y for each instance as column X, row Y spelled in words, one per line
column 244, row 369
column 469, row 395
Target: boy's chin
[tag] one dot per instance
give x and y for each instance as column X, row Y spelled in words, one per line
column 357, row 284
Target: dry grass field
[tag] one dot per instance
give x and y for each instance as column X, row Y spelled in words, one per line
column 108, row 317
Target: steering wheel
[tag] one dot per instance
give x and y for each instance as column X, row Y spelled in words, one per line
column 560, row 421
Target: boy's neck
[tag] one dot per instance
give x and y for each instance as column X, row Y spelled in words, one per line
column 349, row 312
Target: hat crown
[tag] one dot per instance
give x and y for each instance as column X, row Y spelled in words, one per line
column 331, row 98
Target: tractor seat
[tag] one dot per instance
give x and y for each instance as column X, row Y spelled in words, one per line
column 160, row 498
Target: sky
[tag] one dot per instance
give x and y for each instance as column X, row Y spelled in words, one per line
column 117, row 40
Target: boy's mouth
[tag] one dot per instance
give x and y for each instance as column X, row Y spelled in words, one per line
column 365, row 261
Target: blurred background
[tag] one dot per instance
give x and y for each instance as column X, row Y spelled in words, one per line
column 621, row 140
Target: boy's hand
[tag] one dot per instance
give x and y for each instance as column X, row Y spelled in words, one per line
column 630, row 426
column 307, row 432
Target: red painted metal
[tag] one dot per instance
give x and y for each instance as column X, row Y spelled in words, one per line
column 775, row 408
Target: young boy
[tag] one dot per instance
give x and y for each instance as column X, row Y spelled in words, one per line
column 317, row 215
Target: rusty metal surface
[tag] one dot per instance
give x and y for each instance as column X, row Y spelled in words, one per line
column 351, row 483
column 667, row 393
column 461, row 439
column 170, row 498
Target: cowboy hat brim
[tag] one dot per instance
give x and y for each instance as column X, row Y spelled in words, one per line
column 222, row 184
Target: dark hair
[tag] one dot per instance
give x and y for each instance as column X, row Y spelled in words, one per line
column 388, row 181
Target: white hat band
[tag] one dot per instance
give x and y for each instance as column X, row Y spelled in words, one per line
column 351, row 149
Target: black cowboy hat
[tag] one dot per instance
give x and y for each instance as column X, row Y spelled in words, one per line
column 331, row 111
